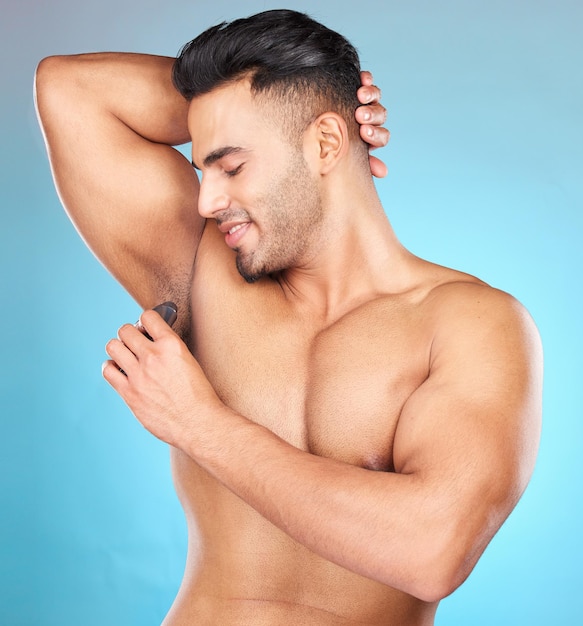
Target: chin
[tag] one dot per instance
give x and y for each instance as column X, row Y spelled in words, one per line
column 248, row 272
column 251, row 278
column 252, row 272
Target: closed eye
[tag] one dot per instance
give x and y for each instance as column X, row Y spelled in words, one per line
column 234, row 172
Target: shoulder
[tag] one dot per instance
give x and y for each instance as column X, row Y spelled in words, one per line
column 466, row 302
column 473, row 322
column 485, row 364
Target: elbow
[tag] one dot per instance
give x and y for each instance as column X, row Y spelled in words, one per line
column 45, row 73
column 434, row 584
column 435, row 587
column 44, row 80
column 52, row 81
column 436, row 571
column 450, row 563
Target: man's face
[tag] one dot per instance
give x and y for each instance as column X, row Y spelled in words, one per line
column 255, row 184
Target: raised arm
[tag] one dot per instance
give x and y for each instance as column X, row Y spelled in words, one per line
column 109, row 122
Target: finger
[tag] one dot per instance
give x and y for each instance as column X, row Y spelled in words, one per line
column 114, row 376
column 374, row 114
column 377, row 167
column 366, row 78
column 154, row 325
column 167, row 310
column 375, row 136
column 369, row 94
column 133, row 338
column 121, row 355
column 139, row 326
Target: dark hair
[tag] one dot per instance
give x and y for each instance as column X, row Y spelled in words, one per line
column 287, row 56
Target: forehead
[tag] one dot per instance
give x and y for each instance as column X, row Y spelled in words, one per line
column 228, row 116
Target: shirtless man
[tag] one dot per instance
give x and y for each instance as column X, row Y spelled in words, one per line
column 350, row 425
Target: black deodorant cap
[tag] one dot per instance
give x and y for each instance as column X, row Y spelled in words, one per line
column 168, row 311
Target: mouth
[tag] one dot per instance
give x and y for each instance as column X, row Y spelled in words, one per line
column 235, row 228
column 234, row 232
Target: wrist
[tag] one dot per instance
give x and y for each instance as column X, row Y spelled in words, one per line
column 219, row 435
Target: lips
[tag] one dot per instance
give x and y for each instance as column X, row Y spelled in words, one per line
column 234, row 232
column 235, row 228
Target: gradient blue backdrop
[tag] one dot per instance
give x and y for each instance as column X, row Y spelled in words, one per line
column 486, row 105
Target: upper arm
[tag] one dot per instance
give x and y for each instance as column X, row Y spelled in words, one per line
column 469, row 434
column 133, row 199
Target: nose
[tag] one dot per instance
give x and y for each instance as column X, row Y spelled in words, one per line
column 211, row 197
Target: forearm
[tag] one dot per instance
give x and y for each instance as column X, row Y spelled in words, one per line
column 420, row 530
column 135, row 88
column 385, row 526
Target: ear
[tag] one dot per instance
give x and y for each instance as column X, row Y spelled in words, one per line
column 329, row 141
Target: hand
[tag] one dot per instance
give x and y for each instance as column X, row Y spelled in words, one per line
column 371, row 117
column 159, row 379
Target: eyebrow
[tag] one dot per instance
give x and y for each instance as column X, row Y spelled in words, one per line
column 218, row 154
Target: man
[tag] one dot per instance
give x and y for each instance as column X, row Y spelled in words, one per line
column 350, row 425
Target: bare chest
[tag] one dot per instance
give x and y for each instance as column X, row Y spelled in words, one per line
column 336, row 392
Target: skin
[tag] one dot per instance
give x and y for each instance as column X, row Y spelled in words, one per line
column 347, row 434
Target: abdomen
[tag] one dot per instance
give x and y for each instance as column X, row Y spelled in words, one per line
column 239, row 564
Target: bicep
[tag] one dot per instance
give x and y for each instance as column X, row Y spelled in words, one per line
column 469, row 434
column 133, row 201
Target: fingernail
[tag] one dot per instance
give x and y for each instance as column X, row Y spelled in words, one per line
column 369, row 132
column 366, row 116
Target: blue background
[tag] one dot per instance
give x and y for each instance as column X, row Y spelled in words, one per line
column 486, row 108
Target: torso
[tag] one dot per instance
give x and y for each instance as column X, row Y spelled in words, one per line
column 334, row 390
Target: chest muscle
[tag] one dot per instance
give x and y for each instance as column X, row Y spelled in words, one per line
column 336, row 392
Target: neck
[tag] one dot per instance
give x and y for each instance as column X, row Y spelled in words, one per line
column 355, row 257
